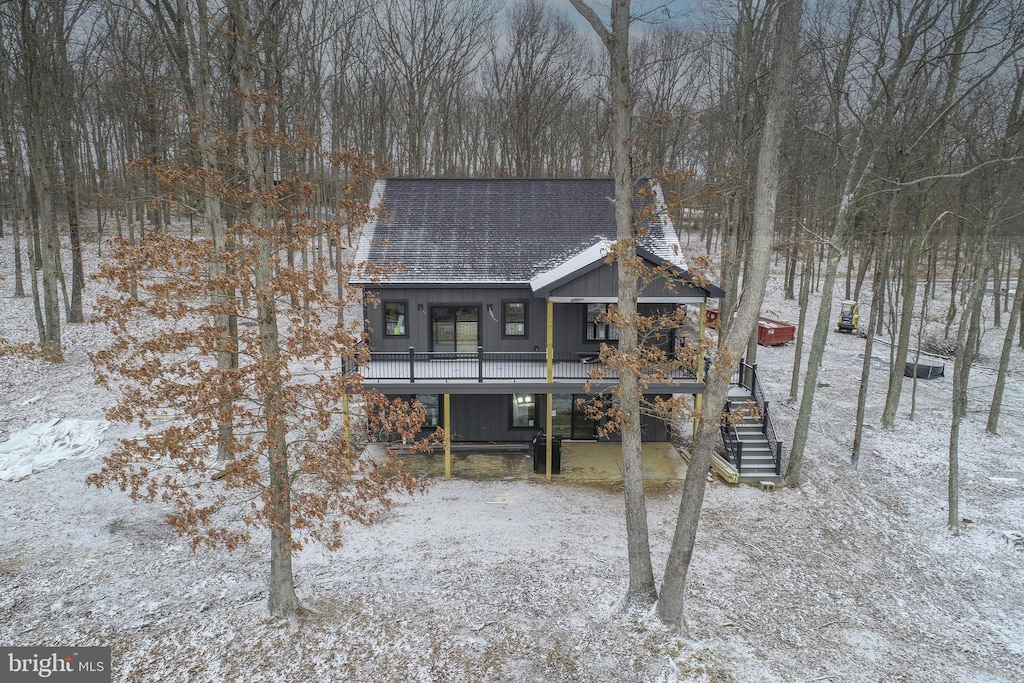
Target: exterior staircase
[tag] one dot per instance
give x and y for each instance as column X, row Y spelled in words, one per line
column 751, row 444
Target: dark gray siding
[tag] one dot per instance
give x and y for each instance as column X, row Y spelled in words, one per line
column 487, row 417
column 570, row 327
column 418, row 323
column 604, row 281
column 569, row 332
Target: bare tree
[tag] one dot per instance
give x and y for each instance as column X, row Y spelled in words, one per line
column 15, row 162
column 967, row 24
column 879, row 105
column 642, row 590
column 787, row 34
column 430, row 48
column 40, row 24
column 533, row 73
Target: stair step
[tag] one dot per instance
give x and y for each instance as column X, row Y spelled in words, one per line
column 748, row 463
column 754, row 471
column 757, row 459
column 758, row 467
column 756, row 479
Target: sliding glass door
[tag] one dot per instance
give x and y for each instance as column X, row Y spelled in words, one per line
column 569, row 420
column 454, row 329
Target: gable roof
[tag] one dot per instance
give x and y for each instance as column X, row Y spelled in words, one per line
column 491, row 231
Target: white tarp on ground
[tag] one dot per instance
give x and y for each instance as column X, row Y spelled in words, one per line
column 44, row 444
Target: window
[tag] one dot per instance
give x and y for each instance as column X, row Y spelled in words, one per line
column 395, row 319
column 433, row 417
column 599, row 330
column 524, row 410
column 513, row 318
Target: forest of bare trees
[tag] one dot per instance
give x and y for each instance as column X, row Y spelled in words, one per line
column 904, row 122
column 900, row 154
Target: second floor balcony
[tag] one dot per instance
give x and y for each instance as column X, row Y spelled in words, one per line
column 457, row 371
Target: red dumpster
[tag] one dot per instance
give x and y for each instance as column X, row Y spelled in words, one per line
column 774, row 332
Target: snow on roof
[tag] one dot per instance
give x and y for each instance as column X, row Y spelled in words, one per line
column 594, row 254
column 496, row 230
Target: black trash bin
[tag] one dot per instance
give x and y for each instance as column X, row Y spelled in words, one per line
column 540, row 454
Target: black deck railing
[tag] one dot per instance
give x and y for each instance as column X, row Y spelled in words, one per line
column 748, row 379
column 481, row 366
column 733, row 445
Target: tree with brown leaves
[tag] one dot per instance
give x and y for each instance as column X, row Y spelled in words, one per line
column 298, row 469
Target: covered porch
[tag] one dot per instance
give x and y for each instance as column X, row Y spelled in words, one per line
column 582, row 461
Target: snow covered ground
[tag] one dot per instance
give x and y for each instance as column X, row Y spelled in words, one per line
column 850, row 577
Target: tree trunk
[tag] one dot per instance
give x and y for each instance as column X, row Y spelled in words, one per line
column 862, row 268
column 966, row 341
column 222, row 296
column 902, row 343
column 954, row 279
column 39, row 110
column 70, row 161
column 997, row 281
column 19, row 281
column 642, row 590
column 877, row 292
column 18, row 182
column 822, row 327
column 791, row 263
column 992, row 426
column 282, row 600
column 670, row 605
column 805, row 295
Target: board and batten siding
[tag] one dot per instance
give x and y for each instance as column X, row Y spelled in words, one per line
column 569, row 327
column 487, row 417
column 418, row 323
column 604, row 282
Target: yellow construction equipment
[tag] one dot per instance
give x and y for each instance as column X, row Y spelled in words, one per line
column 849, row 317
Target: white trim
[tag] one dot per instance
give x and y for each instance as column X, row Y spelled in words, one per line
column 670, row 299
column 592, row 254
column 395, row 280
column 613, row 299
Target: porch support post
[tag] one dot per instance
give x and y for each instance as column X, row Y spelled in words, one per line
column 547, row 432
column 698, row 402
column 447, row 436
column 550, row 380
column 551, row 344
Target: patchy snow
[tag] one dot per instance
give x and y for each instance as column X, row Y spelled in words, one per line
column 850, row 577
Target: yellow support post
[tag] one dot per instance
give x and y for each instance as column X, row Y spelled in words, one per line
column 348, row 448
column 547, row 431
column 551, row 341
column 698, row 402
column 447, row 436
column 550, row 380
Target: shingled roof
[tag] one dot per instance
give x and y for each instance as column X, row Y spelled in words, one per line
column 495, row 231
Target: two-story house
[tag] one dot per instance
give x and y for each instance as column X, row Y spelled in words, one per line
column 489, row 313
